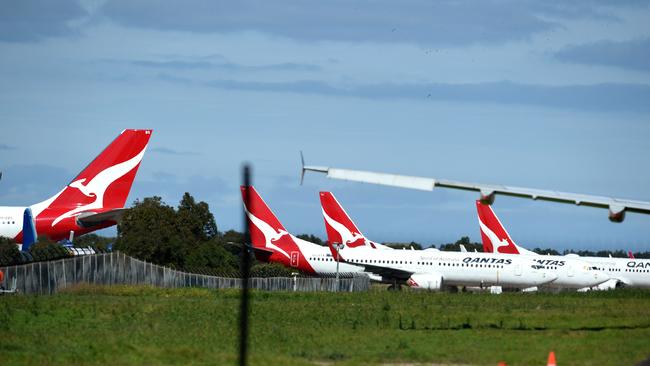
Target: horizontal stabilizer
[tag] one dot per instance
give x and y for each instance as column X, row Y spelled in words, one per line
column 262, row 254
column 89, row 219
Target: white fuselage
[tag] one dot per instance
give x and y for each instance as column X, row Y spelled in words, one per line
column 626, row 271
column 321, row 260
column 572, row 272
column 456, row 268
column 11, row 221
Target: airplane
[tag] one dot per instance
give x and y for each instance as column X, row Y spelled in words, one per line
column 271, row 242
column 93, row 200
column 429, row 268
column 340, row 227
column 619, row 271
column 617, row 206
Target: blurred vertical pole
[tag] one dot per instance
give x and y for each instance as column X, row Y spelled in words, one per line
column 245, row 270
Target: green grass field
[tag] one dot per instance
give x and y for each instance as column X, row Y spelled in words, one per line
column 142, row 325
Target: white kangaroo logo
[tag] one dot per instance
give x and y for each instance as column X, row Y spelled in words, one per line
column 347, row 236
column 494, row 239
column 270, row 234
column 97, row 186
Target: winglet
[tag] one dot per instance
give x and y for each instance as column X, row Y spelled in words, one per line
column 312, row 168
column 29, row 230
column 302, row 165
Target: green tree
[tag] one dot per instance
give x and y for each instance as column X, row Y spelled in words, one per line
column 272, row 270
column 466, row 242
column 45, row 249
column 232, row 236
column 194, row 220
column 149, row 231
column 414, row 245
column 212, row 255
column 94, row 241
column 547, row 251
column 9, row 253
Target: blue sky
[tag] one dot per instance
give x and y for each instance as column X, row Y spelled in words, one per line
column 549, row 95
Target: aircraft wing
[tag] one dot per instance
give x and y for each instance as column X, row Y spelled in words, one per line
column 89, row 219
column 384, row 272
column 261, row 254
column 617, row 207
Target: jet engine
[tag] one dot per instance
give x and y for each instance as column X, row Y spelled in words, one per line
column 616, row 214
column 487, row 197
column 425, row 281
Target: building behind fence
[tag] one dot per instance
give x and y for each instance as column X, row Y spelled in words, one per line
column 117, row 268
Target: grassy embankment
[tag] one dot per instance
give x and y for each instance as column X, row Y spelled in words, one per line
column 141, row 325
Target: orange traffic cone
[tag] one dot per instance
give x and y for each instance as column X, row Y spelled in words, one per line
column 551, row 359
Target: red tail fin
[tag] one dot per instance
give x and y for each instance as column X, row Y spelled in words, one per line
column 266, row 230
column 340, row 228
column 265, row 227
column 103, row 185
column 268, row 233
column 495, row 237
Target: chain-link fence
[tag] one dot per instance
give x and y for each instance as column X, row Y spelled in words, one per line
column 116, row 268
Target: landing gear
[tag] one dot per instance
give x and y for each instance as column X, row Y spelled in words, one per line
column 395, row 287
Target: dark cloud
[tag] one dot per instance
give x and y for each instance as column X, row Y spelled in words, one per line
column 634, row 55
column 168, row 151
column 205, row 65
column 33, row 20
column 421, row 21
column 602, row 97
